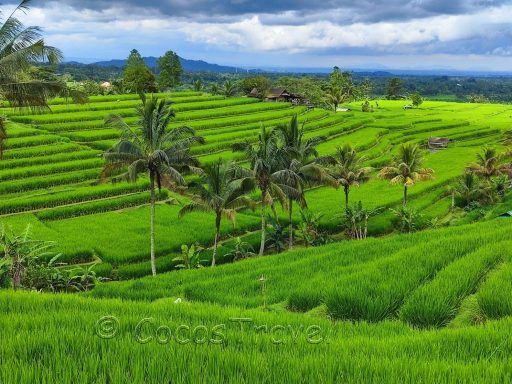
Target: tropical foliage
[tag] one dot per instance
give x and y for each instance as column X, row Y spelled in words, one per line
column 348, row 169
column 219, row 192
column 152, row 150
column 406, row 169
column 268, row 171
column 299, row 156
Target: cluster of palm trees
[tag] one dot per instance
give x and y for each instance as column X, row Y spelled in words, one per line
column 485, row 180
column 282, row 164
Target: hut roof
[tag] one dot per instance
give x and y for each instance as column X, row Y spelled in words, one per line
column 439, row 140
column 278, row 92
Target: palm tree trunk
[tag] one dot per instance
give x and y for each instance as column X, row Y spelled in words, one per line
column 453, row 201
column 273, row 207
column 152, row 223
column 16, row 267
column 263, row 228
column 217, row 232
column 405, row 194
column 346, row 190
column 290, row 224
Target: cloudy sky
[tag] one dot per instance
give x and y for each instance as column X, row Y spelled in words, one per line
column 420, row 34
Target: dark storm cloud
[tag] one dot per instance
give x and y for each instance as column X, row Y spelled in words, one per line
column 292, row 12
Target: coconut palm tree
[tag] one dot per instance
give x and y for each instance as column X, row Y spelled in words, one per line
column 406, row 168
column 357, row 220
column 269, row 172
column 469, row 189
column 218, row 192
column 335, row 97
column 299, row 156
column 489, row 164
column 348, row 169
column 229, row 88
column 153, row 150
column 340, row 93
column 21, row 48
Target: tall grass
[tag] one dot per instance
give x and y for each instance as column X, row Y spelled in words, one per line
column 56, row 342
column 494, row 297
column 436, row 303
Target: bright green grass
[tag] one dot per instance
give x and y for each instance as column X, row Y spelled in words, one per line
column 56, row 342
column 319, row 270
column 27, row 170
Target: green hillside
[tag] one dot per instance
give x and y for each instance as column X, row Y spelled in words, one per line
column 49, row 174
column 420, row 299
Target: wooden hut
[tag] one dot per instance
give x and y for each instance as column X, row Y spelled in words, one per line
column 438, row 142
column 279, row 94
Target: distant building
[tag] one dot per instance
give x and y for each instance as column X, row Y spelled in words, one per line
column 254, row 93
column 280, row 94
column 506, row 214
column 438, row 142
column 407, row 106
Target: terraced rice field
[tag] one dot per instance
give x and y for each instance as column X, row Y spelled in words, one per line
column 433, row 307
column 49, row 174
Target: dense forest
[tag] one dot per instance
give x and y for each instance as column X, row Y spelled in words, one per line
column 448, row 88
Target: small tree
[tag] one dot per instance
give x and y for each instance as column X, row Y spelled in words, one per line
column 241, row 250
column 393, row 89
column 197, row 85
column 348, row 169
column 229, row 88
column 189, row 258
column 170, row 70
column 468, row 190
column 261, row 83
column 137, row 77
column 407, row 217
column 334, row 97
column 366, row 107
column 214, row 89
column 489, row 163
column 22, row 257
column 406, row 168
column 357, row 219
column 416, row 99
column 309, row 229
column 218, row 192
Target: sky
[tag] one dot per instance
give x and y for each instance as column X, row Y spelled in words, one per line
column 397, row 34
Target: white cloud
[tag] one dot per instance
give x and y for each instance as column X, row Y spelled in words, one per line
column 251, row 33
column 316, row 40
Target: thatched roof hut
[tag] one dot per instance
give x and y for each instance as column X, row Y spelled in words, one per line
column 438, row 142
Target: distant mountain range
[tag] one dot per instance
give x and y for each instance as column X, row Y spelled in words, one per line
column 188, row 65
column 367, row 70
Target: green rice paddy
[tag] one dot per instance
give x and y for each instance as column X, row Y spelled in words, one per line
column 429, row 307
